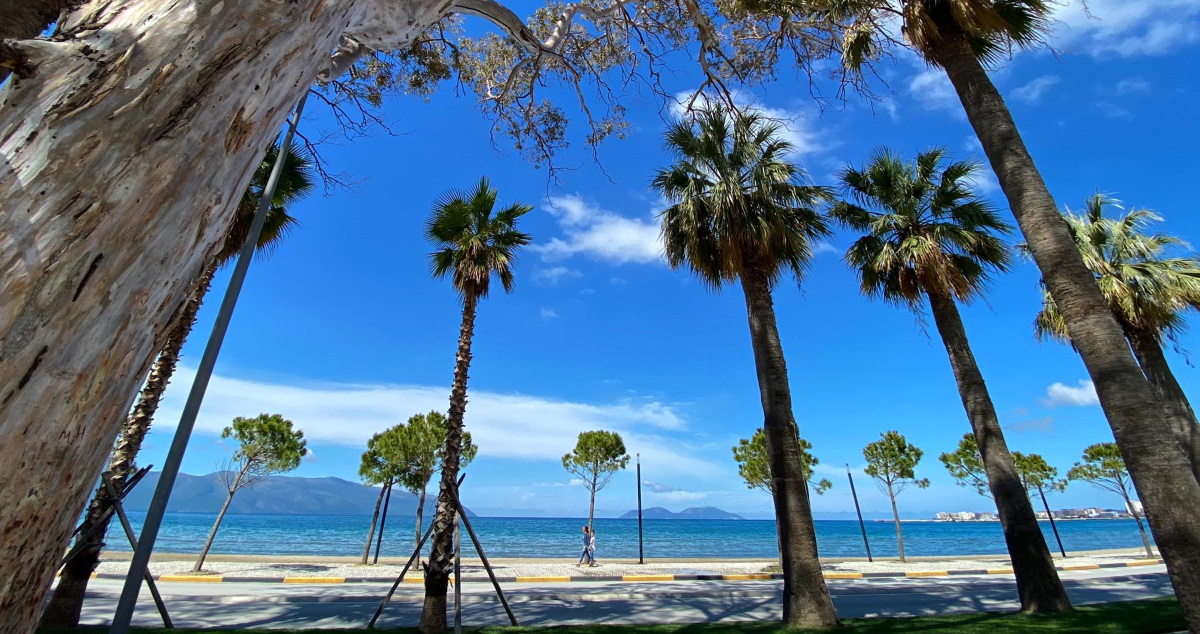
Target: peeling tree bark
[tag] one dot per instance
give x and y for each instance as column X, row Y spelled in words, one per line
column 124, row 158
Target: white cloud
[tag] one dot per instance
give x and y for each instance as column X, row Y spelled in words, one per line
column 933, row 90
column 1032, row 92
column 618, row 281
column 600, row 234
column 1127, row 28
column 984, row 181
column 548, row 314
column 556, row 274
column 1131, row 86
column 681, row 496
column 513, row 426
column 824, row 247
column 576, row 482
column 1060, row 394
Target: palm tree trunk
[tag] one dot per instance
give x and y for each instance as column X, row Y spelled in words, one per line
column 441, row 557
column 1179, row 411
column 67, row 603
column 896, row 519
column 374, row 520
column 806, row 601
column 1161, row 472
column 1037, row 580
column 217, row 524
column 420, row 518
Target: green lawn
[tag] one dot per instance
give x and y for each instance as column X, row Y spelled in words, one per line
column 1156, row 616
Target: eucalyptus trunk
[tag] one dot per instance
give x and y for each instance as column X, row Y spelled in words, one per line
column 111, row 223
column 420, row 518
column 441, row 556
column 374, row 522
column 1038, row 584
column 896, row 519
column 806, row 600
column 1160, row 470
column 1179, row 411
column 217, row 524
column 66, row 605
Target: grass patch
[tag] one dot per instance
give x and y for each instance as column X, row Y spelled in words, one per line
column 1154, row 616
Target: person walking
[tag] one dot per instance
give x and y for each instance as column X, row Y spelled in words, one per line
column 589, row 548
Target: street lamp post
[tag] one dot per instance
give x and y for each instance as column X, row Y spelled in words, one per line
column 641, row 553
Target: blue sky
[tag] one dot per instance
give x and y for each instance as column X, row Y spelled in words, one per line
column 343, row 331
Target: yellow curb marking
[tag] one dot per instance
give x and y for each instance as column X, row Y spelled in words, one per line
column 843, row 575
column 414, row 580
column 1143, row 562
column 190, row 579
column 314, row 579
column 927, row 573
column 1000, row 571
column 648, row 577
column 540, row 579
column 747, row 577
column 1083, row 567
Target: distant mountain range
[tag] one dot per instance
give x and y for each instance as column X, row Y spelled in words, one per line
column 283, row 495
column 693, row 513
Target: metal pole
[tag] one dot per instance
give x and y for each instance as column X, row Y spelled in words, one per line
column 641, row 552
column 862, row 525
column 158, row 504
column 387, row 498
column 462, row 513
column 458, row 575
column 1053, row 527
column 403, row 571
column 129, row 534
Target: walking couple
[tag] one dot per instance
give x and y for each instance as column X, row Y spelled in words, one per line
column 589, row 548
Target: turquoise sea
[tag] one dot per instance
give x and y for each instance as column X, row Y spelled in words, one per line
column 344, row 535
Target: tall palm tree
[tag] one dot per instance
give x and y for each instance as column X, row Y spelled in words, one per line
column 964, row 37
column 929, row 237
column 1147, row 291
column 741, row 212
column 295, row 182
column 473, row 244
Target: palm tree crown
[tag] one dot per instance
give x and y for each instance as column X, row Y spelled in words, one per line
column 992, row 27
column 472, row 243
column 295, row 182
column 926, row 230
column 1146, row 290
column 738, row 202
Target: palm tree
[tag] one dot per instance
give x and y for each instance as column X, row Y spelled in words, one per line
column 473, row 244
column 963, row 37
column 295, row 182
column 929, row 237
column 1147, row 291
column 741, row 212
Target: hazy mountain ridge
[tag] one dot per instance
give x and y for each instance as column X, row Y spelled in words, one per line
column 282, row 495
column 692, row 513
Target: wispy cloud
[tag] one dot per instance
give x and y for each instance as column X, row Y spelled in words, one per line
column 1032, row 92
column 600, row 234
column 933, row 90
column 1104, row 28
column 514, row 426
column 1043, row 425
column 824, row 247
column 681, row 496
column 1060, row 394
column 1132, row 85
column 552, row 276
column 547, row 314
column 796, row 124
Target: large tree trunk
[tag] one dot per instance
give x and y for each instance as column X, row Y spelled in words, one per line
column 806, row 601
column 67, row 603
column 896, row 519
column 1179, row 411
column 374, row 521
column 217, row 524
column 441, row 556
column 1037, row 580
column 1160, row 470
column 124, row 158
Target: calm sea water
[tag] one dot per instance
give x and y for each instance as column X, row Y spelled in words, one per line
column 537, row 537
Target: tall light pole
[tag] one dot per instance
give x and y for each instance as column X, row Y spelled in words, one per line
column 862, row 525
column 641, row 553
column 166, row 480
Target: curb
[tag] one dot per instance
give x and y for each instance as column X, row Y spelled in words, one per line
column 761, row 576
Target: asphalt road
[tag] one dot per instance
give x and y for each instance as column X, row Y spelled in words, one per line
column 351, row 605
